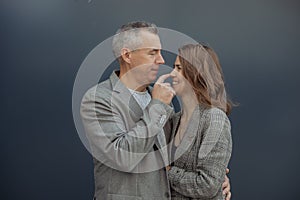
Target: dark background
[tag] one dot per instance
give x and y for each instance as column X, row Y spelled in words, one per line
column 44, row 42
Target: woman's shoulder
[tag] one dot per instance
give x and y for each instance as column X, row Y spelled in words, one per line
column 213, row 111
column 214, row 115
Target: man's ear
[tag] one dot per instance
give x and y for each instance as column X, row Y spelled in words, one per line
column 126, row 55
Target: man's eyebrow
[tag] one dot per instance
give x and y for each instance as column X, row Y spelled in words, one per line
column 156, row 50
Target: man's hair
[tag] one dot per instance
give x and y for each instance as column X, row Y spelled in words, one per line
column 128, row 36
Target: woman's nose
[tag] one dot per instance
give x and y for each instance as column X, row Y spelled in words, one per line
column 173, row 72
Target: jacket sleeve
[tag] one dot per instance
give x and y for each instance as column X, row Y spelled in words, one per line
column 213, row 157
column 110, row 140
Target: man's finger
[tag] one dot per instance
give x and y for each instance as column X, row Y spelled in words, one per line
column 166, row 84
column 226, row 183
column 172, row 90
column 227, row 171
column 162, row 78
column 226, row 190
column 228, row 196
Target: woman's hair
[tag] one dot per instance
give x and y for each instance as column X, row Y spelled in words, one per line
column 201, row 67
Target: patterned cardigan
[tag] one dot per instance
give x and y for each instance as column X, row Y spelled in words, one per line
column 202, row 156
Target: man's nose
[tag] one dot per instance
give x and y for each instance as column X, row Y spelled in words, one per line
column 160, row 59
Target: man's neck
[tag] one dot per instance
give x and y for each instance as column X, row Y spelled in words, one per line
column 129, row 81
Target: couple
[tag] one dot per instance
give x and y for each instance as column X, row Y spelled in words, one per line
column 141, row 149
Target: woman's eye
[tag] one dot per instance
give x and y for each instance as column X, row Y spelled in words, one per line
column 177, row 67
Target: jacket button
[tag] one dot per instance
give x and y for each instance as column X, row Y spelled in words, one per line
column 162, row 119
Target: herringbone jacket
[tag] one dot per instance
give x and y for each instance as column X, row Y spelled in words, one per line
column 202, row 156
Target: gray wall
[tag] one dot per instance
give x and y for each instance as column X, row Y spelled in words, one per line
column 43, row 43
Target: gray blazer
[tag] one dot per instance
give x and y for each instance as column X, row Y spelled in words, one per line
column 202, row 156
column 122, row 139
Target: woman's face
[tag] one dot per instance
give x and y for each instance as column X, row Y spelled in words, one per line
column 179, row 82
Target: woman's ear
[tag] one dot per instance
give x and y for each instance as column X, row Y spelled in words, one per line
column 126, row 55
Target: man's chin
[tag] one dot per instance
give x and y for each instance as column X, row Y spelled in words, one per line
column 153, row 75
column 153, row 79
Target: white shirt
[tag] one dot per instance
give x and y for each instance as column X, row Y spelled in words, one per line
column 142, row 98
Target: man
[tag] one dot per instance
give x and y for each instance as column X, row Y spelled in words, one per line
column 124, row 122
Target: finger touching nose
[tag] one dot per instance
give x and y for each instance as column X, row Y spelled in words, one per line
column 173, row 72
column 162, row 78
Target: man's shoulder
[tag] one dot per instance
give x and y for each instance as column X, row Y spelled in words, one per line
column 100, row 90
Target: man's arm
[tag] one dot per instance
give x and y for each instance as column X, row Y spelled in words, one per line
column 226, row 186
column 112, row 141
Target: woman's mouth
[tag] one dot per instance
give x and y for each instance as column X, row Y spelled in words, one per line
column 174, row 82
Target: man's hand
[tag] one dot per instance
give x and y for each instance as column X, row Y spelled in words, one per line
column 226, row 186
column 163, row 91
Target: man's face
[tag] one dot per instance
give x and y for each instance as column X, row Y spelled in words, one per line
column 146, row 59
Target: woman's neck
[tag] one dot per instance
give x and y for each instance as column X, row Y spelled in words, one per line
column 189, row 103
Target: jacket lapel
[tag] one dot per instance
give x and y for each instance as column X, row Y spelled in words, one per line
column 121, row 92
column 190, row 133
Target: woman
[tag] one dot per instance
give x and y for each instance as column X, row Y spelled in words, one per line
column 202, row 142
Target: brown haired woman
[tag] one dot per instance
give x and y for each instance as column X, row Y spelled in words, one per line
column 202, row 142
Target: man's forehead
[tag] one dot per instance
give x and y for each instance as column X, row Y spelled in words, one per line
column 149, row 49
column 150, row 40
